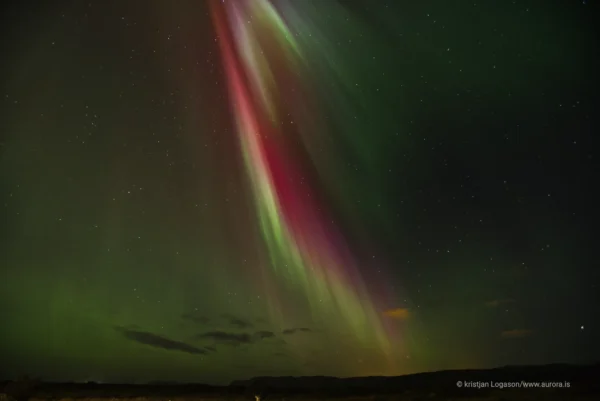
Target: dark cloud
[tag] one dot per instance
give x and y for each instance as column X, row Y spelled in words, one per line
column 264, row 334
column 156, row 341
column 237, row 322
column 195, row 318
column 235, row 339
column 242, row 324
column 296, row 330
column 223, row 337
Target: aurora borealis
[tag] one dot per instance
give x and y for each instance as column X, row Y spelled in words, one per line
column 203, row 191
column 301, row 242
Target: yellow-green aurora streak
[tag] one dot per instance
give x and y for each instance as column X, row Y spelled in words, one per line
column 305, row 248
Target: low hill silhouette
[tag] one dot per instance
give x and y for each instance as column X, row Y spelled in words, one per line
column 578, row 378
column 563, row 380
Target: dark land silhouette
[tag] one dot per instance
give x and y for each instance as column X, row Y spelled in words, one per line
column 554, row 382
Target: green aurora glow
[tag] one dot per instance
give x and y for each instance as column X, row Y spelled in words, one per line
column 443, row 140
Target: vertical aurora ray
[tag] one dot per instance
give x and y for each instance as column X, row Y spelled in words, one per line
column 260, row 56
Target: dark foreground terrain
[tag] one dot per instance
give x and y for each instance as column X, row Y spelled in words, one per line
column 544, row 383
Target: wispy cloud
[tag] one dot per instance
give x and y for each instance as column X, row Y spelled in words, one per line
column 263, row 334
column 195, row 318
column 516, row 333
column 237, row 322
column 233, row 339
column 397, row 313
column 296, row 330
column 157, row 341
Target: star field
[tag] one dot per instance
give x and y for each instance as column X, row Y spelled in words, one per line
column 204, row 191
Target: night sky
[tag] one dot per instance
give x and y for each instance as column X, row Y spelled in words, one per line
column 204, row 191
